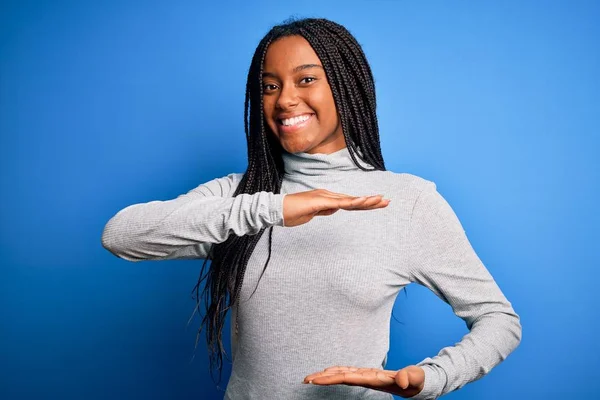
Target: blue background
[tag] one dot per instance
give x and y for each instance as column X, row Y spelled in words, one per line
column 106, row 105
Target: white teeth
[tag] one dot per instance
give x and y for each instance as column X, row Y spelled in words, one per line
column 295, row 120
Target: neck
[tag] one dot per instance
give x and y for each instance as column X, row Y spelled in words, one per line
column 320, row 164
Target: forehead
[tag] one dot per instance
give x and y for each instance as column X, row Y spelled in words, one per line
column 288, row 52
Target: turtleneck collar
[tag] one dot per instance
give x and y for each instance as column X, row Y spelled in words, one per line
column 320, row 164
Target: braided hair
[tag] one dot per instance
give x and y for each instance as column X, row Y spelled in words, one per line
column 353, row 88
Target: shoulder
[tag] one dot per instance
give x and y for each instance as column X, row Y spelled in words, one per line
column 407, row 185
column 407, row 179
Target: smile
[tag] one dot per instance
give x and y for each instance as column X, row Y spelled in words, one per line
column 294, row 124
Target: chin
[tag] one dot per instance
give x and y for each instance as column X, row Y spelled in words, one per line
column 293, row 149
column 296, row 148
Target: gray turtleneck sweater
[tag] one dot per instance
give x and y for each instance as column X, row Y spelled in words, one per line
column 326, row 296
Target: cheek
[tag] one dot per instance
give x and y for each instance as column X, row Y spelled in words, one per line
column 324, row 105
column 268, row 114
column 267, row 108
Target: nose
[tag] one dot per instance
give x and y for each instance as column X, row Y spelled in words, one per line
column 288, row 97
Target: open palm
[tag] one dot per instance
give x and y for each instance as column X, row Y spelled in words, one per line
column 407, row 382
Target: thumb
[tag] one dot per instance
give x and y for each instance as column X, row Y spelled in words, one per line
column 402, row 378
column 410, row 376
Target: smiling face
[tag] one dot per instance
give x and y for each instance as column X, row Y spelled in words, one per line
column 297, row 99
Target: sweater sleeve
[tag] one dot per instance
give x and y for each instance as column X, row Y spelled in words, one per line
column 443, row 260
column 186, row 227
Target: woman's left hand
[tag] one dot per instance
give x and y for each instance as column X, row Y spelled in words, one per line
column 407, row 382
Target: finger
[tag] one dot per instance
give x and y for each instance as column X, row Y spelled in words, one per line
column 333, row 195
column 335, row 378
column 373, row 372
column 356, row 203
column 364, row 203
column 372, row 201
column 402, row 378
column 381, row 204
column 372, row 379
column 341, row 368
column 347, row 203
column 414, row 378
column 310, row 377
column 331, row 371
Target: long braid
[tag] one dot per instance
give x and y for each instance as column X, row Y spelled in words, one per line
column 352, row 54
column 353, row 89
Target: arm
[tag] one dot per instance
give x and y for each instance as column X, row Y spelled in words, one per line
column 443, row 260
column 186, row 227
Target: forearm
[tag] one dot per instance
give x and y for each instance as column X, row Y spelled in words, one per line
column 491, row 339
column 154, row 230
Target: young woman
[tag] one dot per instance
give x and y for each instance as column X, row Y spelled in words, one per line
column 315, row 323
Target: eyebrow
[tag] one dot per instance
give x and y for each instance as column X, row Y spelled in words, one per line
column 296, row 69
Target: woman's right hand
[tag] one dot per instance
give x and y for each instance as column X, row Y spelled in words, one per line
column 299, row 208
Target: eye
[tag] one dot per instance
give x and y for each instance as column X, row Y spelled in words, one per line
column 269, row 87
column 309, row 78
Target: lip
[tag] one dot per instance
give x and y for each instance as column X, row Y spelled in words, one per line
column 291, row 129
column 286, row 116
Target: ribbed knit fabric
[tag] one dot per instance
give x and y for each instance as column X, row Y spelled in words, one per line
column 326, row 296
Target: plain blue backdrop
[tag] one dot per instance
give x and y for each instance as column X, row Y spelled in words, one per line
column 106, row 104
